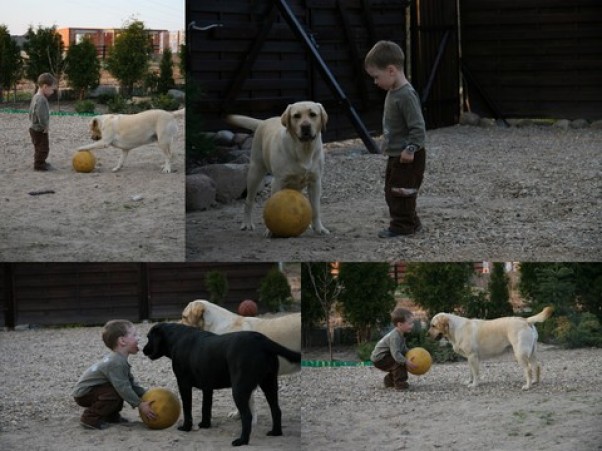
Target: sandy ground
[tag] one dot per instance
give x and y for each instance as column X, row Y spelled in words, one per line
column 497, row 194
column 90, row 217
column 38, row 369
column 349, row 408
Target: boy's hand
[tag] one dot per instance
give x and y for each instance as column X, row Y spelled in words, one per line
column 410, row 365
column 406, row 157
column 147, row 410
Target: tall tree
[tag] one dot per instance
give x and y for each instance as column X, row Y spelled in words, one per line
column 499, row 292
column 588, row 287
column 44, row 49
column 166, row 81
column 439, row 287
column 129, row 57
column 367, row 296
column 82, row 67
column 11, row 63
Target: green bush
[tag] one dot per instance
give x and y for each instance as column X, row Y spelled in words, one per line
column 275, row 291
column 117, row 104
column 165, row 102
column 216, row 284
column 85, row 106
column 365, row 349
column 105, row 98
column 586, row 333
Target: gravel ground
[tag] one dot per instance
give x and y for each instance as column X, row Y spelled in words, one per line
column 38, row 369
column 495, row 194
column 349, row 408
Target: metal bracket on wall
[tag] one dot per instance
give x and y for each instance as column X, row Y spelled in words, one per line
column 306, row 41
column 193, row 26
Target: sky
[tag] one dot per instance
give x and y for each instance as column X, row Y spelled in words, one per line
column 18, row 15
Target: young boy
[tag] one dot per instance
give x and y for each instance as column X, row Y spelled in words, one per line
column 389, row 352
column 39, row 118
column 403, row 137
column 105, row 385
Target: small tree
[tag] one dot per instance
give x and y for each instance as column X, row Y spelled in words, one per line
column 44, row 49
column 129, row 57
column 217, row 286
column 83, row 67
column 439, row 287
column 166, row 81
column 11, row 63
column 319, row 292
column 367, row 296
column 275, row 291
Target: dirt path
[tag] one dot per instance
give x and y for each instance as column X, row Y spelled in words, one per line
column 489, row 193
column 89, row 217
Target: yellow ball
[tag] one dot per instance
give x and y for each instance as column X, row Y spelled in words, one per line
column 165, row 404
column 287, row 213
column 84, row 161
column 420, row 357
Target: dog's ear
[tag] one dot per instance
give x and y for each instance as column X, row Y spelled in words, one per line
column 324, row 117
column 94, row 124
column 444, row 325
column 286, row 118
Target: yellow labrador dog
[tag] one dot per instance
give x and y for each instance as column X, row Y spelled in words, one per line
column 128, row 131
column 479, row 339
column 285, row 330
column 290, row 148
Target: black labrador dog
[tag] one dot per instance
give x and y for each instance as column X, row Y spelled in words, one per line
column 241, row 360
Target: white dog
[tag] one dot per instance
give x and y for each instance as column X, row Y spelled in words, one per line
column 285, row 330
column 290, row 148
column 479, row 339
column 128, row 131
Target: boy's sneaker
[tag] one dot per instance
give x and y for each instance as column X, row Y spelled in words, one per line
column 117, row 419
column 98, row 426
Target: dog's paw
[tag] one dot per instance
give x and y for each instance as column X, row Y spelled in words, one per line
column 320, row 229
column 239, row 442
column 115, row 169
column 166, row 171
column 275, row 433
column 247, row 226
column 526, row 387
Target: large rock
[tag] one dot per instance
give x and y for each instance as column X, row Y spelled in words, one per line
column 200, row 192
column 230, row 180
column 176, row 94
column 469, row 118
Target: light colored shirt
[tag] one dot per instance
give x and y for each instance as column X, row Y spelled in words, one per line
column 39, row 113
column 403, row 123
column 115, row 370
column 393, row 343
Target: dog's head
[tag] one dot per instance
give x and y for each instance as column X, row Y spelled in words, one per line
column 439, row 327
column 96, row 129
column 156, row 347
column 193, row 314
column 305, row 120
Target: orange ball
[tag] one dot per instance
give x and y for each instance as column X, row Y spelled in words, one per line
column 83, row 161
column 247, row 308
column 287, row 213
column 420, row 357
column 165, row 404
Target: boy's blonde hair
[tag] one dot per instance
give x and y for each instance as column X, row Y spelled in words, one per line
column 46, row 79
column 400, row 315
column 113, row 330
column 383, row 54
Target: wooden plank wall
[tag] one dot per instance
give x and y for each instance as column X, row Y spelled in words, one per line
column 92, row 293
column 283, row 72
column 535, row 58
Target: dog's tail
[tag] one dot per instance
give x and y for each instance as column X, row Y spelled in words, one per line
column 243, row 121
column 180, row 112
column 275, row 348
column 541, row 316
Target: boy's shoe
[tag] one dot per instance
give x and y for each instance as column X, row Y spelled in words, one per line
column 44, row 167
column 388, row 233
column 402, row 386
column 117, row 419
column 98, row 426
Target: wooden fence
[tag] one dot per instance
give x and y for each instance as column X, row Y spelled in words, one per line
column 92, row 293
